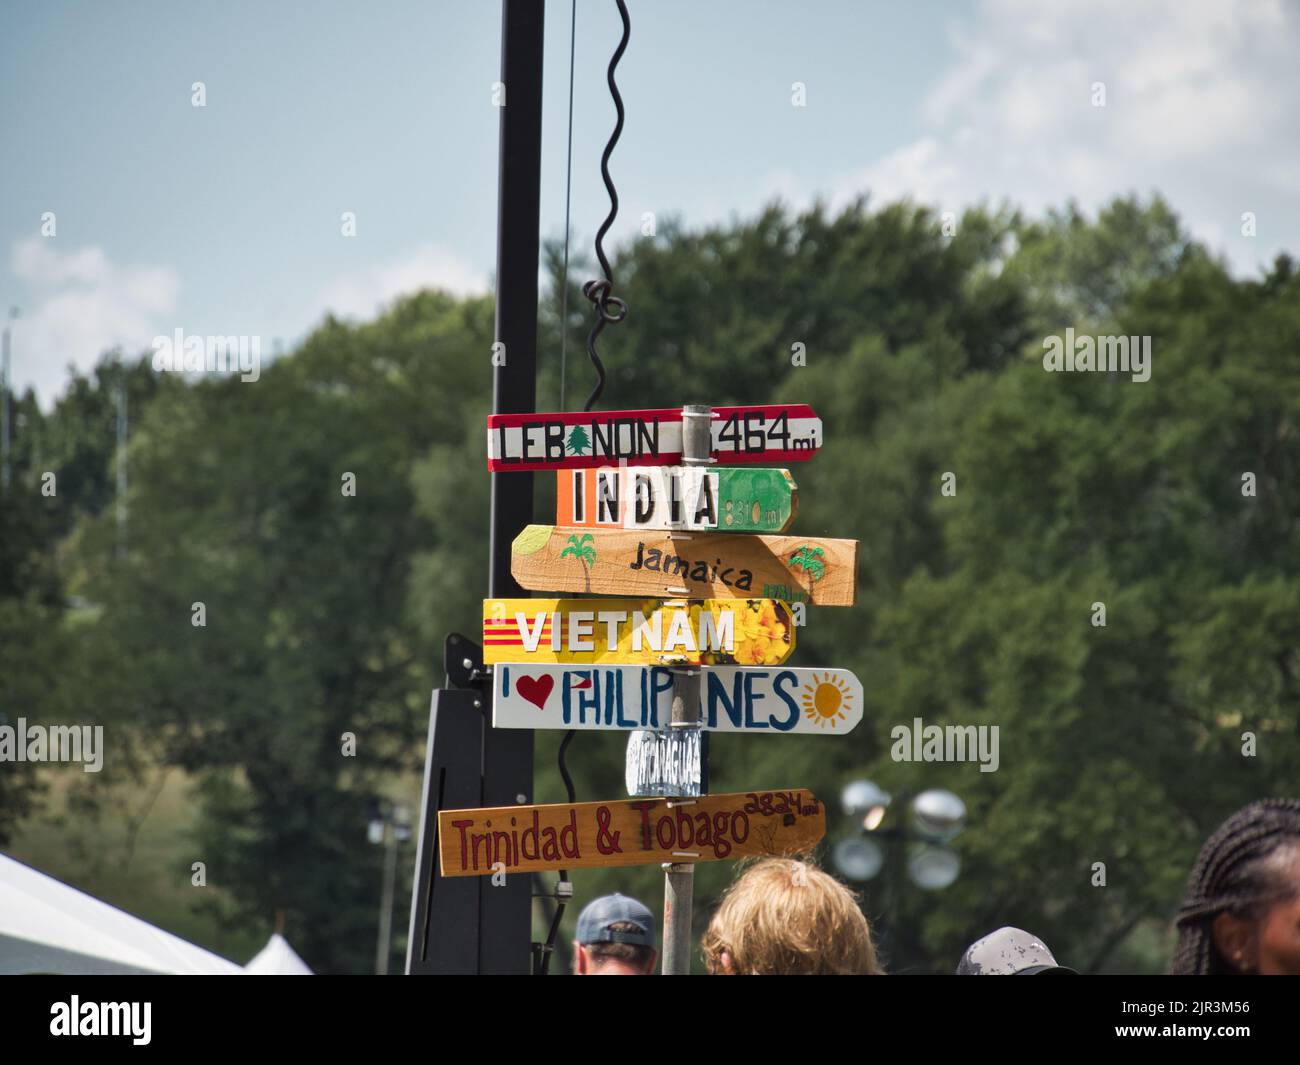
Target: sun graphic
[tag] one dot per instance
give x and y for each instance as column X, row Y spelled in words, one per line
column 826, row 699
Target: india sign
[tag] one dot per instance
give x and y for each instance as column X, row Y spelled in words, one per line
column 775, row 701
column 810, row 569
column 520, row 839
column 727, row 498
column 762, row 435
column 637, row 631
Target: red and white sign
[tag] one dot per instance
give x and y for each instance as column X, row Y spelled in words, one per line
column 740, row 435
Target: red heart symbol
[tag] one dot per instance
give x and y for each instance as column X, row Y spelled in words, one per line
column 536, row 689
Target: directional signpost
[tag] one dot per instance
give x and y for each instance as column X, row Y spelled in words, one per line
column 766, row 435
column 682, row 514
column 702, row 652
column 768, row 702
column 723, row 498
column 808, row 569
column 637, row 631
column 523, row 839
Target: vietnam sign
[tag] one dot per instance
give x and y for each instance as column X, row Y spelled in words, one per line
column 521, row 839
column 768, row 701
column 733, row 499
column 637, row 631
column 815, row 570
column 762, row 435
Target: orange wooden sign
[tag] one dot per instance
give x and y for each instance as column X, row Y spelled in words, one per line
column 520, row 839
column 809, row 569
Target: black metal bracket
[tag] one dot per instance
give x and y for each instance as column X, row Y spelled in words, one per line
column 462, row 663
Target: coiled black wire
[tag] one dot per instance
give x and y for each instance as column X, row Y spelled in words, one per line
column 609, row 309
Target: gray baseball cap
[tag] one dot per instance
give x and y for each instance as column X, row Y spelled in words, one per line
column 1009, row 952
column 599, row 914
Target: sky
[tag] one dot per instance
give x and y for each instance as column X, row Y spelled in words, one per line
column 227, row 219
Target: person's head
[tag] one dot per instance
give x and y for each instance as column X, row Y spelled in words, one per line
column 1010, row 952
column 616, row 937
column 787, row 917
column 1242, row 909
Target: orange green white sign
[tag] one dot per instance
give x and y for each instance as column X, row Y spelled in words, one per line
column 739, row 499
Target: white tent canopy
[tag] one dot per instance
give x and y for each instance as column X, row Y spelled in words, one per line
column 277, row 958
column 48, row 927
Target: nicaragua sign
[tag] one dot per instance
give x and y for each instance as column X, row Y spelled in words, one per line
column 825, row 702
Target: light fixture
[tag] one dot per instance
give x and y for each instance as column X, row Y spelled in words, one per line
column 865, row 800
column 938, row 815
column 402, row 822
column 857, row 858
column 932, row 868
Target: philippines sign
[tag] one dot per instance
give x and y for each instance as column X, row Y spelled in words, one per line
column 807, row 569
column 727, row 498
column 637, row 631
column 825, row 702
column 761, row 435
column 521, row 839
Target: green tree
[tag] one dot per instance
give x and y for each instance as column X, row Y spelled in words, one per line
column 1072, row 489
column 62, row 468
column 578, row 440
column 809, row 559
column 308, row 633
column 1119, row 744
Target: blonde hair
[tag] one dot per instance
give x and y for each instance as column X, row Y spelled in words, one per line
column 783, row 916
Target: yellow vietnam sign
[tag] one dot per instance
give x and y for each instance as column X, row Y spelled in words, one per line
column 749, row 632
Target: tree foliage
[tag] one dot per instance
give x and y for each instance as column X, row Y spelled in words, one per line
column 325, row 612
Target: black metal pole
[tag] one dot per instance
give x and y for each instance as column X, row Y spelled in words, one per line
column 505, row 928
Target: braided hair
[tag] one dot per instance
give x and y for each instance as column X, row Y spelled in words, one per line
column 1234, row 874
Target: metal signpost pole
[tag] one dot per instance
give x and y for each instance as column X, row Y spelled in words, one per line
column 122, row 415
column 505, row 914
column 5, row 389
column 679, row 878
column 467, row 927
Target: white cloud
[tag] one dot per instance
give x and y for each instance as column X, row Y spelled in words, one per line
column 363, row 294
column 918, row 170
column 80, row 304
column 1200, row 98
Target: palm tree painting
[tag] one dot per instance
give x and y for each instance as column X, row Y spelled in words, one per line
column 808, row 559
column 584, row 552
